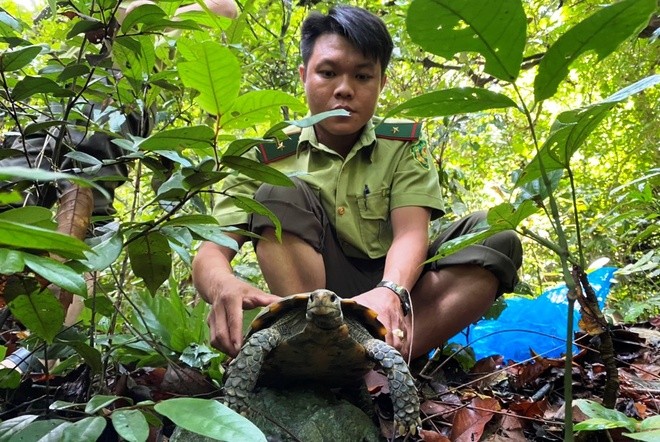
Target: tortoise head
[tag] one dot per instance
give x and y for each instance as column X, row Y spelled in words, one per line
column 324, row 309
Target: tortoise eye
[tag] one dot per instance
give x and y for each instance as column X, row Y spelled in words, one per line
column 333, row 298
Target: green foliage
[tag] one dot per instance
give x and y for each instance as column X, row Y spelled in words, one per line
column 601, row 418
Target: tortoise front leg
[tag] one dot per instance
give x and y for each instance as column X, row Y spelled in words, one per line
column 243, row 372
column 405, row 401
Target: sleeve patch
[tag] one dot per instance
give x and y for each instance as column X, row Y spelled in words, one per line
column 420, row 153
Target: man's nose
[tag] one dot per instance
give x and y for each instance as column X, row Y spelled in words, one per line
column 344, row 87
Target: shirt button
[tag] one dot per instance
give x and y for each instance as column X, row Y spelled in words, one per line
column 341, row 211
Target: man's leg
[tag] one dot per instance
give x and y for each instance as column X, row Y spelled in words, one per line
column 457, row 290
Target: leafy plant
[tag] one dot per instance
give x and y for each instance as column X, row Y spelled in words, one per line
column 601, row 418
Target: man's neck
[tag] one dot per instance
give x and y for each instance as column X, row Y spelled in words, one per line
column 342, row 144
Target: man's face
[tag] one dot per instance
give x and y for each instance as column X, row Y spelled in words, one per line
column 338, row 76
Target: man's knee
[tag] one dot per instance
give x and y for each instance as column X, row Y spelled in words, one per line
column 507, row 243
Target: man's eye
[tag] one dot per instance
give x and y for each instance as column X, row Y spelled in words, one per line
column 327, row 74
column 364, row 77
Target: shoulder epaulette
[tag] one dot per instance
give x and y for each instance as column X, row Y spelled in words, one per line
column 277, row 150
column 404, row 130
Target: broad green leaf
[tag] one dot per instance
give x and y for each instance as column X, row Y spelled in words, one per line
column 72, row 71
column 33, row 128
column 145, row 13
column 215, row 73
column 250, row 205
column 130, row 425
column 84, row 26
column 9, row 26
column 193, row 137
column 57, row 273
column 100, row 401
column 88, row 429
column 239, row 147
column 646, row 436
column 83, row 157
column 151, row 259
column 36, row 430
column 256, row 170
column 105, row 250
column 496, row 30
column 32, row 237
column 40, row 312
column 11, row 261
column 136, row 57
column 13, row 426
column 31, row 215
column 64, row 405
column 40, row 175
column 16, row 59
column 200, row 180
column 317, row 118
column 10, row 379
column 451, row 102
column 650, row 423
column 601, row 32
column 30, row 86
column 257, row 107
column 213, row 233
column 571, row 129
column 188, row 220
column 507, row 217
column 209, row 418
column 91, row 355
column 602, row 416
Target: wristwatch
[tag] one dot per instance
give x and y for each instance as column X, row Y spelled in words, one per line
column 401, row 292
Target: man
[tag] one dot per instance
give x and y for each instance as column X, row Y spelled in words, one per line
column 357, row 220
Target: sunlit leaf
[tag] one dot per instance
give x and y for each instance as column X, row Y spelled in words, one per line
column 256, row 107
column 13, row 60
column 100, row 401
column 11, row 261
column 88, row 429
column 496, row 30
column 144, row 13
column 601, row 32
column 215, row 73
column 451, row 102
column 250, row 205
column 209, row 418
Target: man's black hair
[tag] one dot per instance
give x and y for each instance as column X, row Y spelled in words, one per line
column 363, row 29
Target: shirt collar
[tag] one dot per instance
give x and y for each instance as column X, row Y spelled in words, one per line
column 367, row 140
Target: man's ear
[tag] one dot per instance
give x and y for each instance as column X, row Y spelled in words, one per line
column 303, row 72
column 383, row 82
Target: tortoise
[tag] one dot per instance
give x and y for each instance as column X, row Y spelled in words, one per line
column 321, row 338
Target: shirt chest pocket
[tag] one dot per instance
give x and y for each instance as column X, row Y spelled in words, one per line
column 374, row 221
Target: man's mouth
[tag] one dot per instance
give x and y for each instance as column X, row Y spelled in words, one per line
column 346, row 108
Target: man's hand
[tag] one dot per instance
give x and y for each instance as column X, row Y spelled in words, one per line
column 388, row 306
column 226, row 318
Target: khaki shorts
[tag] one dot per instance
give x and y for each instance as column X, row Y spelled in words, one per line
column 300, row 212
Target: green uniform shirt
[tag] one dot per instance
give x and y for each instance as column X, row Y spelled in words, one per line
column 388, row 167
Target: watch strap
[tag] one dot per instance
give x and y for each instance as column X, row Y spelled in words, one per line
column 401, row 292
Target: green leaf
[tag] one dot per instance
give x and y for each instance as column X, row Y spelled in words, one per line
column 151, row 259
column 193, row 137
column 30, row 86
column 16, row 59
column 83, row 157
column 317, row 118
column 602, row 417
column 11, row 261
column 33, row 128
column 36, row 430
column 130, row 425
column 57, row 273
column 496, row 30
column 40, row 312
column 100, row 401
column 40, row 175
column 213, row 233
column 72, row 71
column 145, row 13
column 239, row 147
column 601, row 32
column 257, row 107
column 82, row 26
column 13, row 426
column 32, row 237
column 650, row 423
column 215, row 72
column 646, row 436
column 30, row 215
column 451, row 102
column 88, row 429
column 507, row 217
column 10, row 379
column 105, row 250
column 91, row 355
column 256, row 170
column 249, row 205
column 209, row 418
